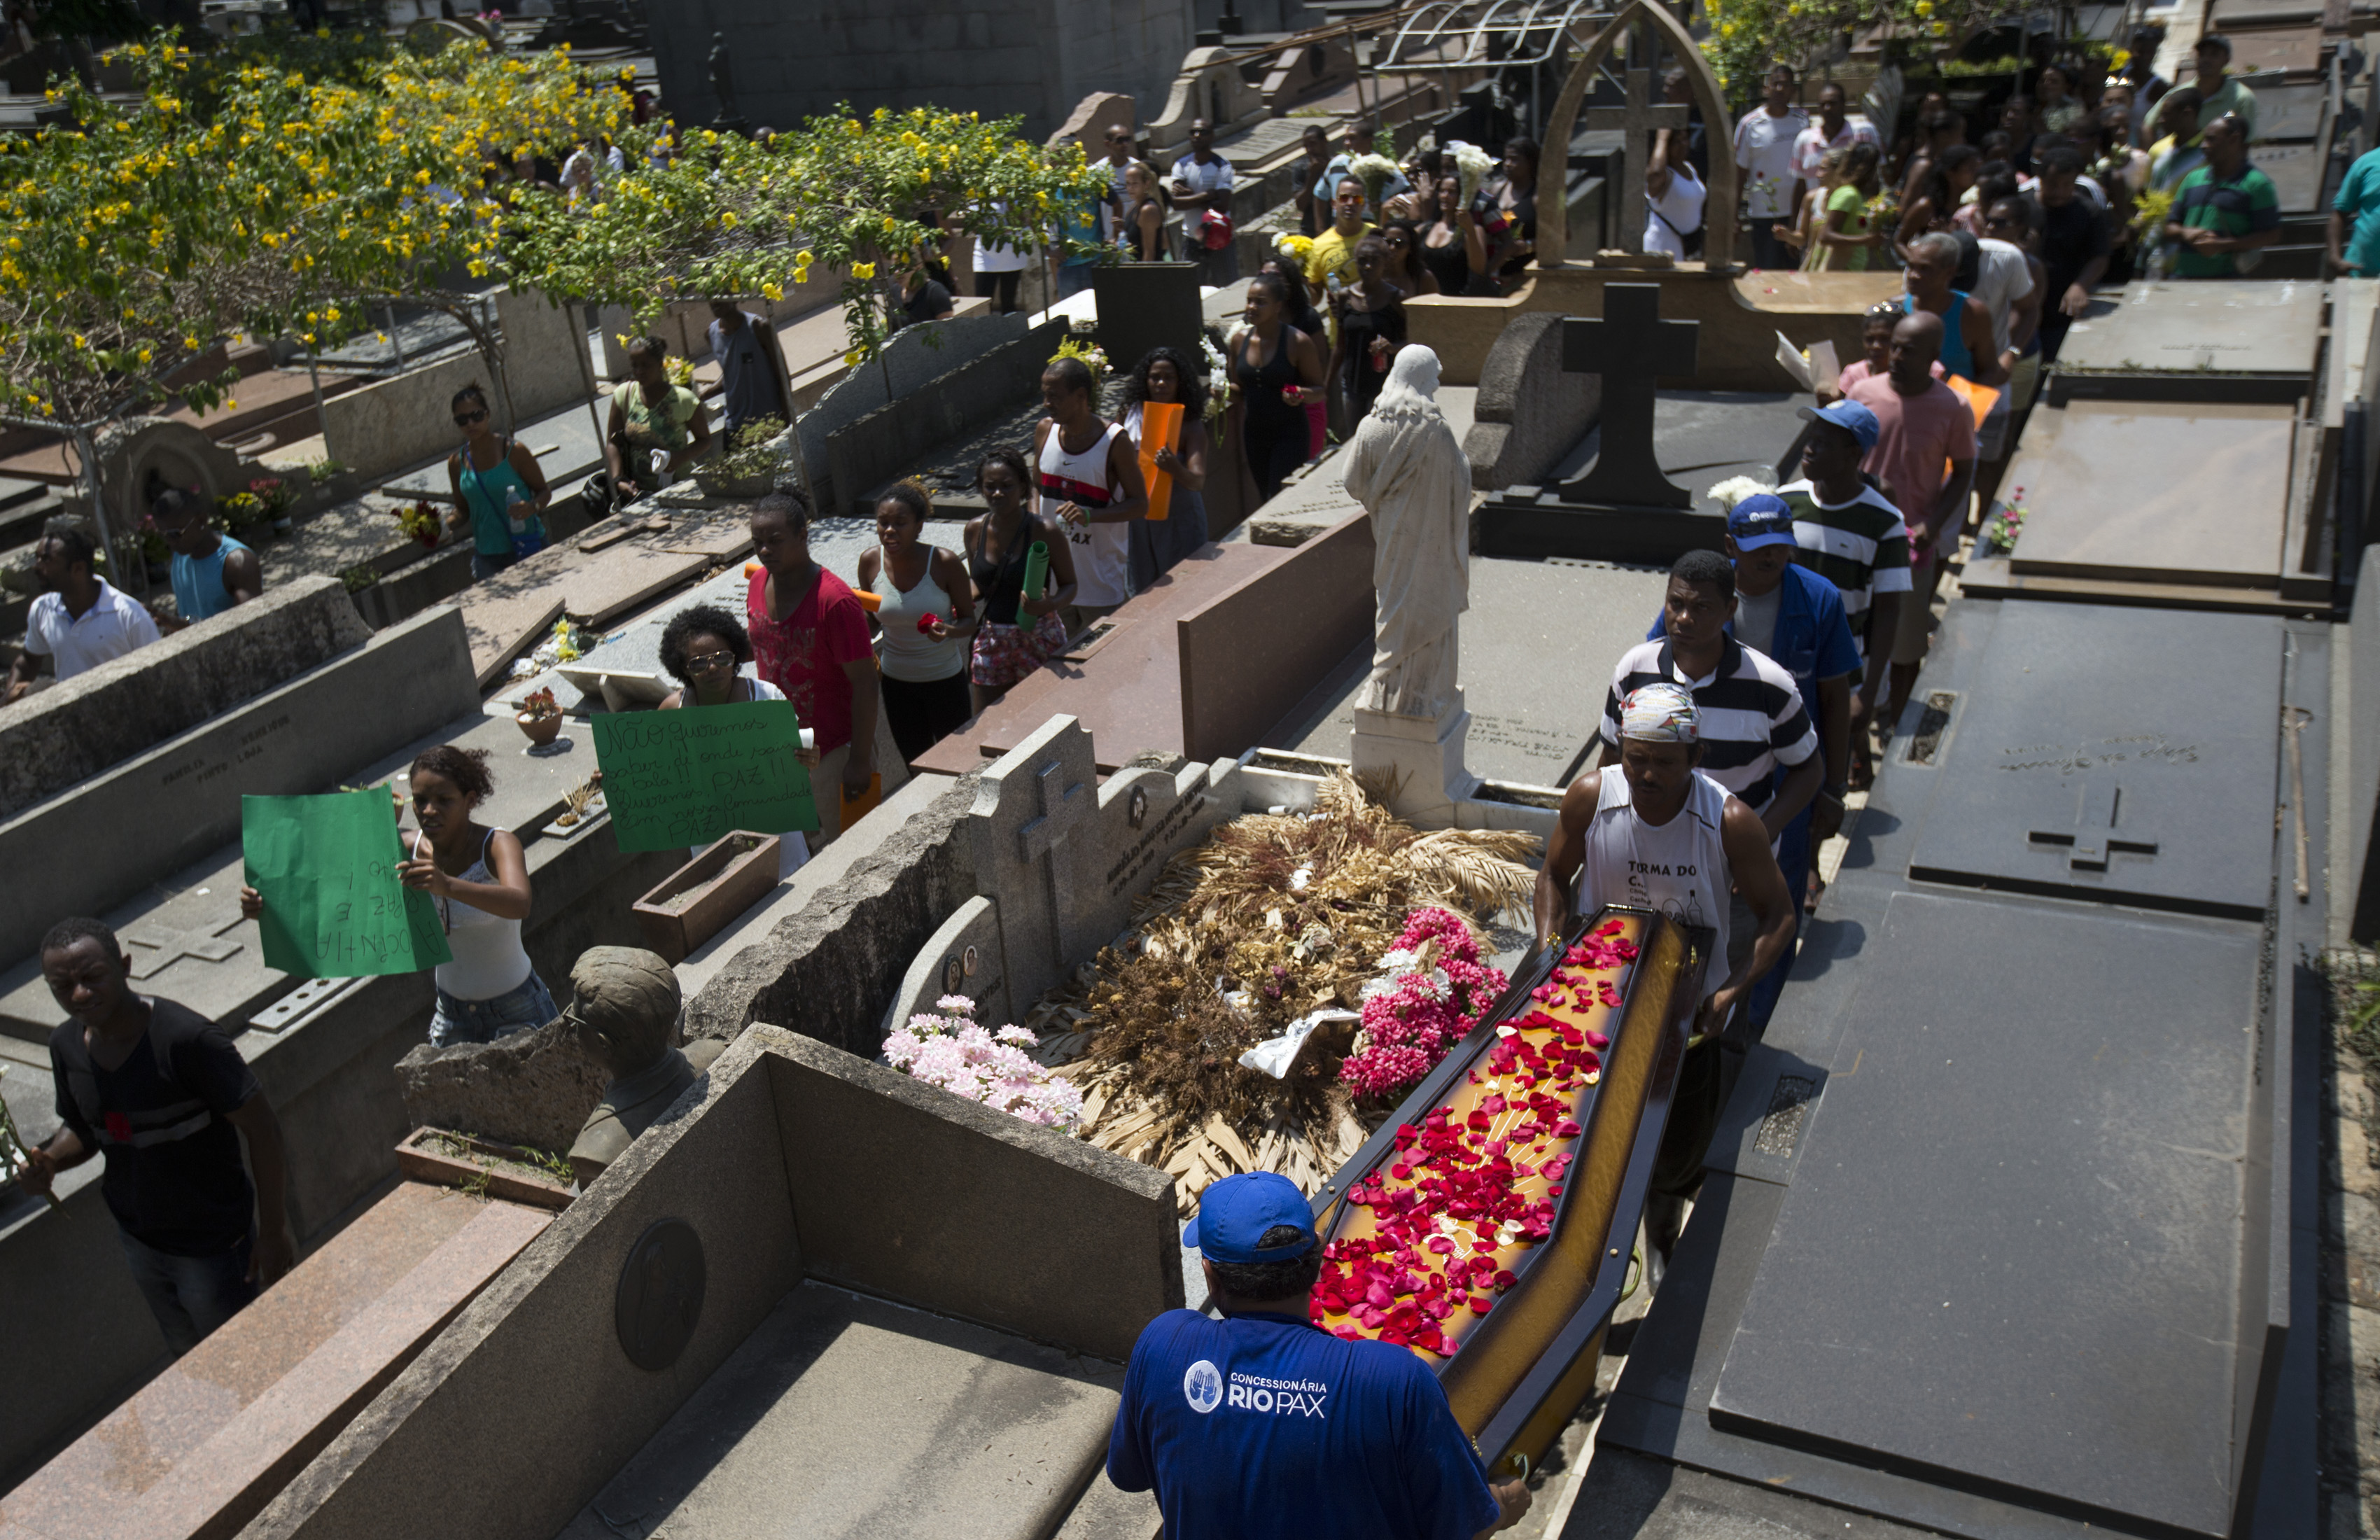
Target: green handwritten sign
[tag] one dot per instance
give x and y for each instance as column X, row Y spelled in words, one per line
column 333, row 906
column 686, row 777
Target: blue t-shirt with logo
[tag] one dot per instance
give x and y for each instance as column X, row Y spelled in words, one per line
column 1256, row 1427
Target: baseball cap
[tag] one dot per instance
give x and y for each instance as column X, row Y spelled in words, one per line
column 1849, row 415
column 2213, row 40
column 1235, row 1212
column 1761, row 519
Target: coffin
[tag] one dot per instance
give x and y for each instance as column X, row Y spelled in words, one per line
column 1488, row 1225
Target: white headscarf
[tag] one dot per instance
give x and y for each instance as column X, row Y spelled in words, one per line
column 1410, row 394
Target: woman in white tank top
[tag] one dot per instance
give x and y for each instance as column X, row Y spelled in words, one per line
column 478, row 881
column 1094, row 492
column 926, row 616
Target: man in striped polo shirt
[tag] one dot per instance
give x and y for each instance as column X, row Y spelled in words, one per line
column 1852, row 535
column 1752, row 717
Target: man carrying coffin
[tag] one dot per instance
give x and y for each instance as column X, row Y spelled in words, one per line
column 1654, row 832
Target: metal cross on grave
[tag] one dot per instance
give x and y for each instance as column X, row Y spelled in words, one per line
column 1637, row 119
column 1060, row 807
column 161, row 948
column 2093, row 837
column 1632, row 348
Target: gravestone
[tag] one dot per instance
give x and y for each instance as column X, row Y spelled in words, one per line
column 1628, row 348
column 1529, row 410
column 1059, row 859
column 1638, row 119
column 1146, row 305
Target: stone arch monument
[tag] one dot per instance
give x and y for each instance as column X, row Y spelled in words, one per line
column 1718, row 211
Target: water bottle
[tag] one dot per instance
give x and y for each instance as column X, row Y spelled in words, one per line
column 518, row 520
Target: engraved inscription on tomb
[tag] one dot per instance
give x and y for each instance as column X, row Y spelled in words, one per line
column 2141, row 748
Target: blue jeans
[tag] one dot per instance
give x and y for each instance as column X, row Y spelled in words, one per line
column 484, row 1021
column 1075, row 278
column 191, row 1295
column 1793, row 859
column 484, row 566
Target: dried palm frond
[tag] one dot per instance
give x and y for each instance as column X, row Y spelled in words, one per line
column 1275, row 917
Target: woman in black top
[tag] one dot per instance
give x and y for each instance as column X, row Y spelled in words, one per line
column 1142, row 233
column 1018, row 635
column 1406, row 269
column 1371, row 326
column 1275, row 366
column 1452, row 247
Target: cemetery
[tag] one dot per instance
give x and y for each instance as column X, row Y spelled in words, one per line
column 833, row 1183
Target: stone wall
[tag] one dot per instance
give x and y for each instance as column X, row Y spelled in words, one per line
column 829, row 969
column 865, row 454
column 178, row 802
column 914, row 356
column 1038, row 58
column 1530, row 410
column 400, row 422
column 2359, row 887
column 78, row 728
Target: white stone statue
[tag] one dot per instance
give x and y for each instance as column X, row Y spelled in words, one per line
column 1408, row 470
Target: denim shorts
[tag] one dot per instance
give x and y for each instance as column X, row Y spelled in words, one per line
column 484, row 1021
column 191, row 1295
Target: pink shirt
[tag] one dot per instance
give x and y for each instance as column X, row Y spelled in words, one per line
column 1857, row 370
column 1921, row 434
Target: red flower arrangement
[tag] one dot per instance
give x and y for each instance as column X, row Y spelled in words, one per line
column 1426, row 1247
column 1435, row 995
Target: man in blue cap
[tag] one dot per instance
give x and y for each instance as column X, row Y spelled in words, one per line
column 1792, row 615
column 1259, row 1424
column 1852, row 536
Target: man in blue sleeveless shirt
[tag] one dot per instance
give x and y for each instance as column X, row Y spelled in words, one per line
column 211, row 571
column 1261, row 1424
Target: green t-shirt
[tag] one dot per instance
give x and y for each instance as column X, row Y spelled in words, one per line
column 653, row 427
column 1849, row 199
column 2358, row 199
column 2248, row 204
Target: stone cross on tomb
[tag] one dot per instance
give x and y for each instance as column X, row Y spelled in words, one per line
column 2094, row 838
column 1632, row 348
column 1637, row 119
column 159, row 948
column 1059, row 808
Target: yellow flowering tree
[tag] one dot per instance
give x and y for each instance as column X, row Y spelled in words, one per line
column 251, row 200
column 727, row 216
column 1744, row 37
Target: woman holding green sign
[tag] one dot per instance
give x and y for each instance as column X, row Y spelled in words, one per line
column 1022, row 568
column 705, row 650
column 478, row 880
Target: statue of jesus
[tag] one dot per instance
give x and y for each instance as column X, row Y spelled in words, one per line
column 1407, row 469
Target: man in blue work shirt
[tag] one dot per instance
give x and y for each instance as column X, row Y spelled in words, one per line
column 1795, row 616
column 1261, row 1424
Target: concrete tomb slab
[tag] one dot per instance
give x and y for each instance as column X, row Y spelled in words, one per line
column 2297, row 170
column 2140, row 782
column 2248, row 340
column 1146, row 305
column 2101, row 501
column 2291, row 112
column 839, row 1403
column 76, row 728
column 2078, row 1112
column 1540, row 640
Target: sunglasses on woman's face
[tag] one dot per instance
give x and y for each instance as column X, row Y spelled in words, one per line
column 465, row 420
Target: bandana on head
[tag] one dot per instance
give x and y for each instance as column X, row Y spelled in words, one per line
column 1660, row 713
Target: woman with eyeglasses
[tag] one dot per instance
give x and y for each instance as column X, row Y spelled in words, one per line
column 478, row 881
column 706, row 651
column 499, row 491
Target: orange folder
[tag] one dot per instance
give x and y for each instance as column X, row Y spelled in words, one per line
column 1160, row 428
column 1980, row 400
column 868, row 598
column 857, row 805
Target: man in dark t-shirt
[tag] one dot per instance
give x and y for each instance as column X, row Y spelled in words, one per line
column 2074, row 248
column 159, row 1091
column 1259, row 1425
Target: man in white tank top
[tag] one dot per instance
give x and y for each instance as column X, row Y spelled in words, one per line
column 1654, row 831
column 1089, row 474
